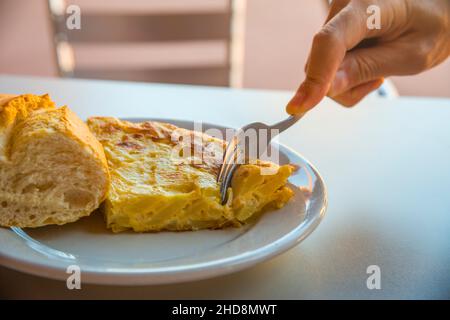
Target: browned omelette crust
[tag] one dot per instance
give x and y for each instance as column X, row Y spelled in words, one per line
column 132, row 136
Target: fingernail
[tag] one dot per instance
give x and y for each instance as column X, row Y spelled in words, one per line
column 295, row 105
column 339, row 84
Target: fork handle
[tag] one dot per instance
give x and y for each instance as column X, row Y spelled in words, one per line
column 284, row 124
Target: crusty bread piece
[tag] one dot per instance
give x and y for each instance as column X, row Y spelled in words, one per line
column 52, row 169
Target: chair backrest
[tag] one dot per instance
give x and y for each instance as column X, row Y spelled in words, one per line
column 173, row 41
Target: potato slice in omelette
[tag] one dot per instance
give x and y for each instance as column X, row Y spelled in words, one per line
column 158, row 182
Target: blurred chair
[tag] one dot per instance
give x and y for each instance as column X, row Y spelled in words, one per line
column 172, row 41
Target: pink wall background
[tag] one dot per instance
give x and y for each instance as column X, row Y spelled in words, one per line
column 277, row 40
column 25, row 35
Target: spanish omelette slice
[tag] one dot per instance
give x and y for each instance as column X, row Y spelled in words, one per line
column 159, row 180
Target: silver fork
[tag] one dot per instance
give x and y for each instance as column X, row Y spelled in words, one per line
column 232, row 153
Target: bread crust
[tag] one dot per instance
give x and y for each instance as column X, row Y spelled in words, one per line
column 4, row 98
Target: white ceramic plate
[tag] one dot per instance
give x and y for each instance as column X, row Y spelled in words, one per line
column 167, row 257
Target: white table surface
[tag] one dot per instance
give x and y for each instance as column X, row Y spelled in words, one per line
column 386, row 164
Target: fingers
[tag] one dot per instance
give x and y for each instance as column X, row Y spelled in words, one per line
column 335, row 7
column 344, row 31
column 356, row 94
column 364, row 65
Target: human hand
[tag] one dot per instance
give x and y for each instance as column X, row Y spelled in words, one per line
column 348, row 60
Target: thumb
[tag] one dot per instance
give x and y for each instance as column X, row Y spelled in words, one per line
column 364, row 65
